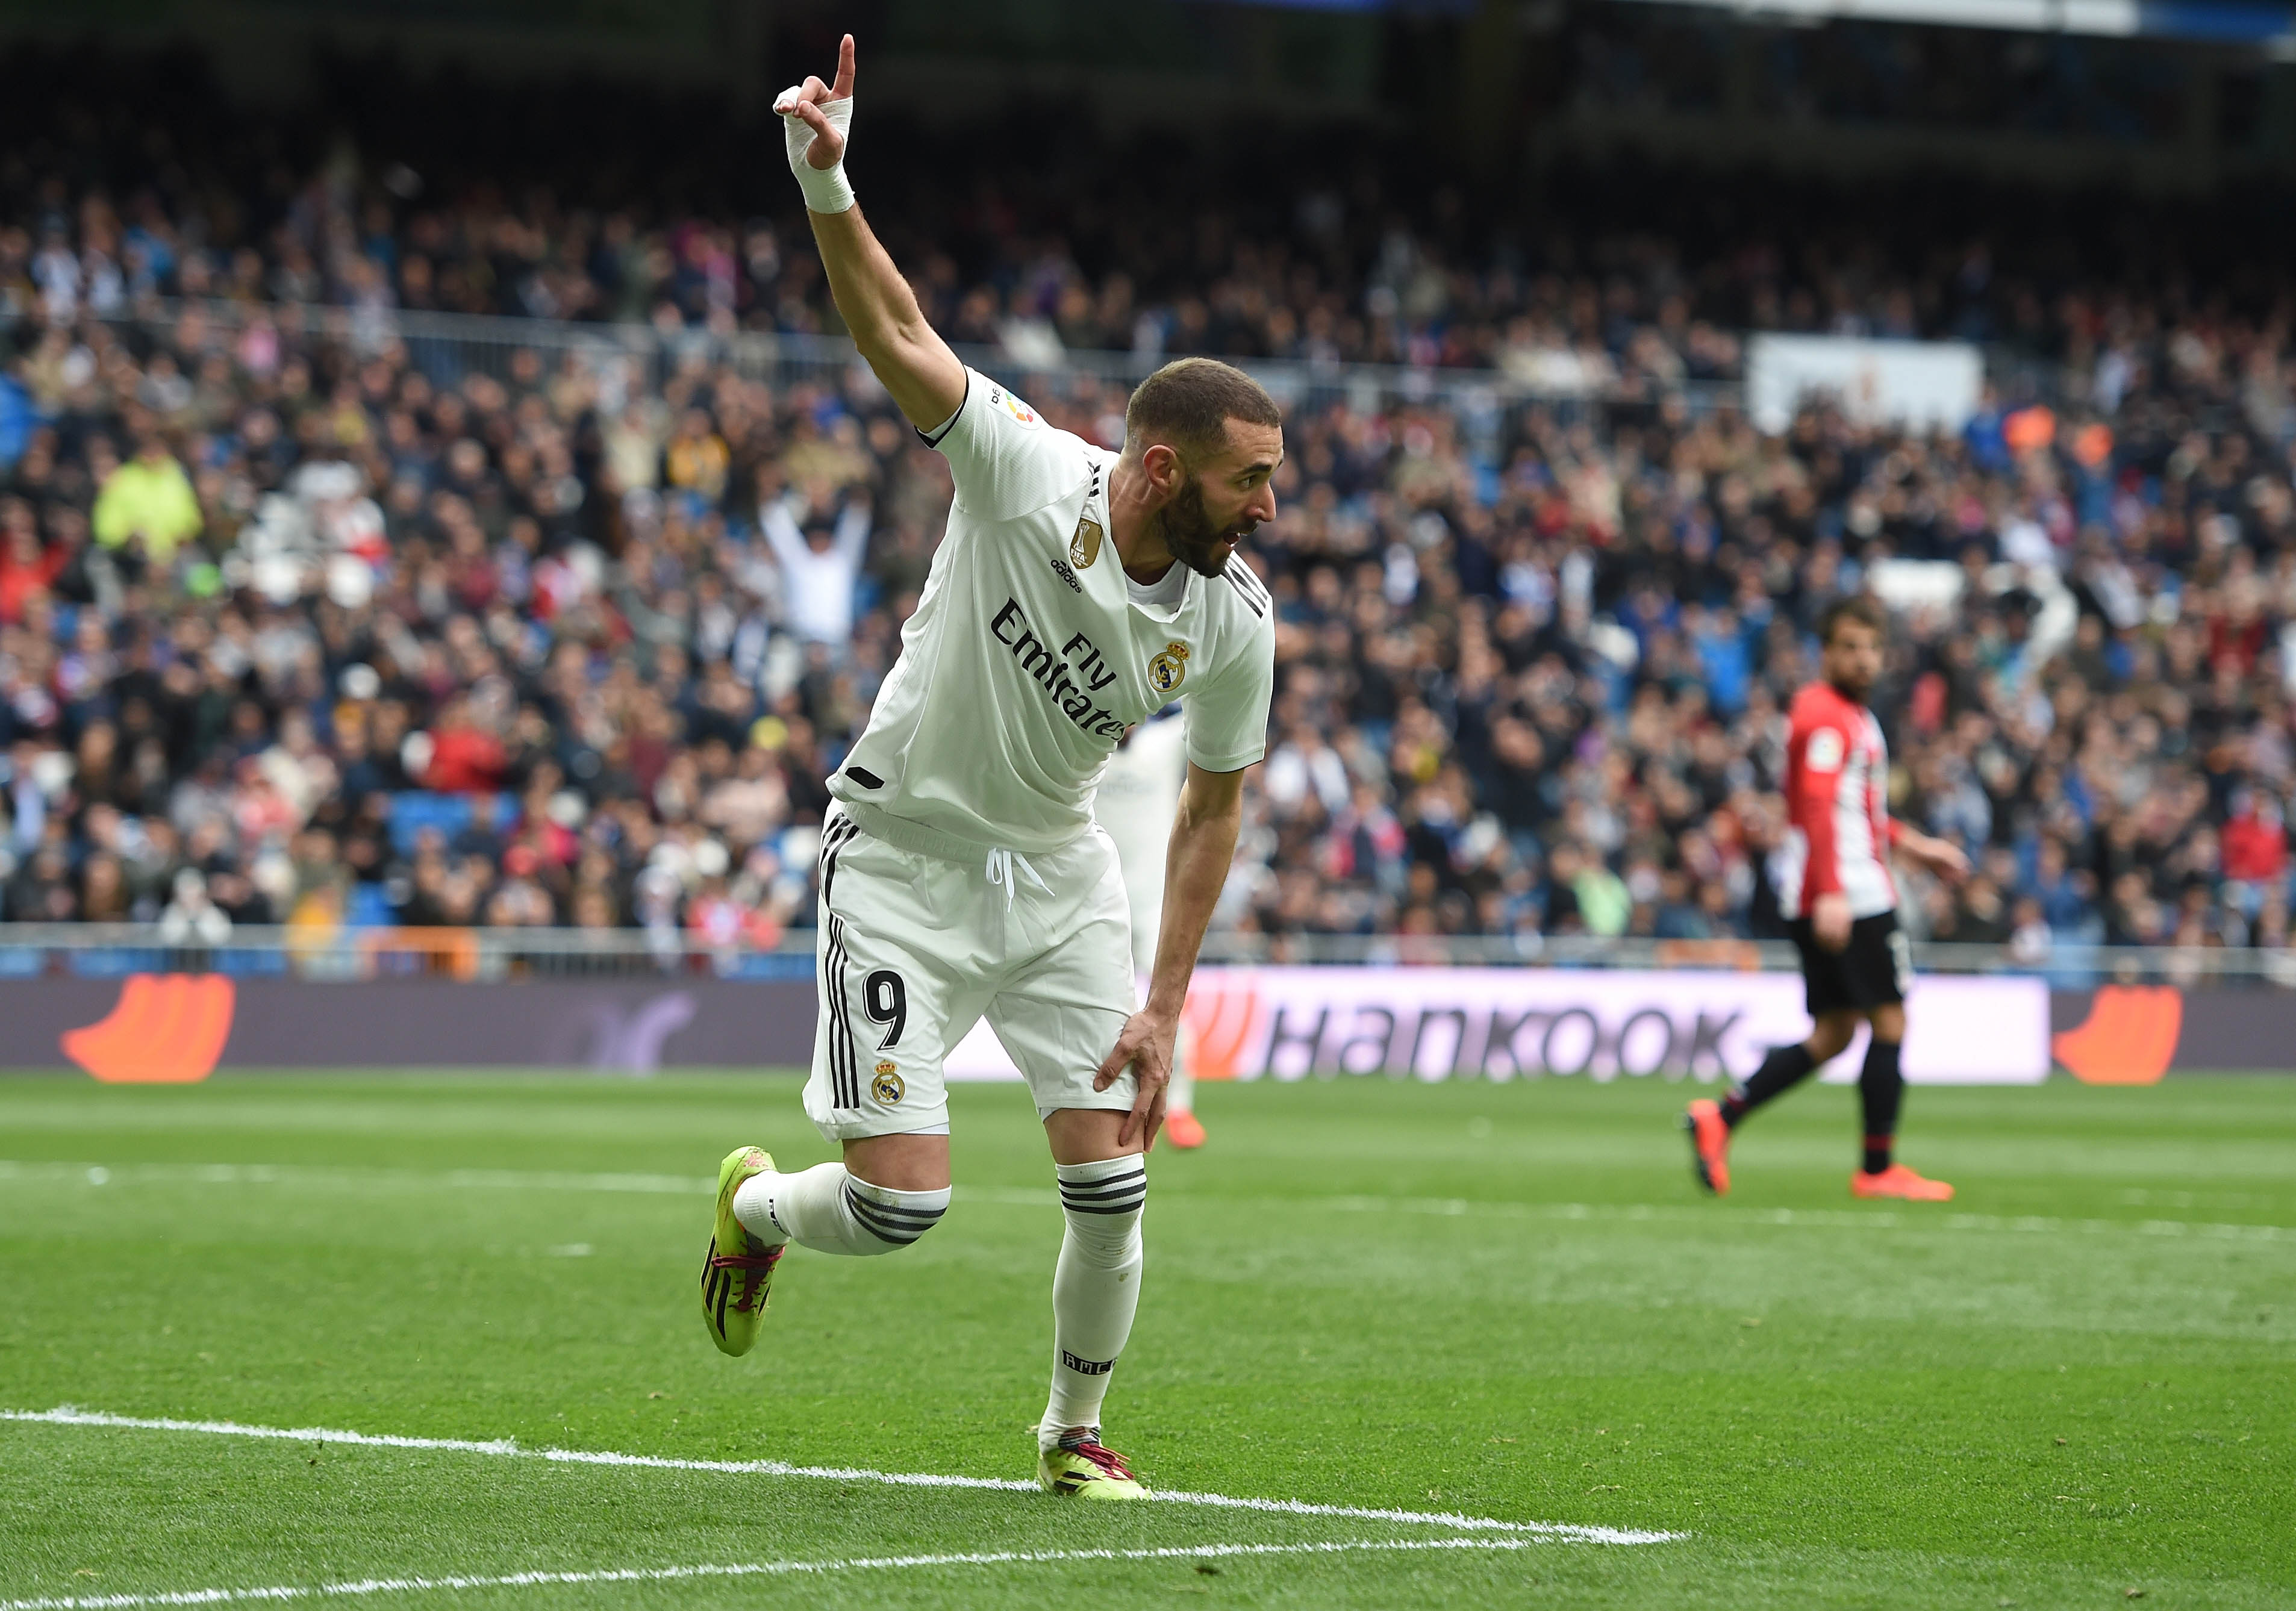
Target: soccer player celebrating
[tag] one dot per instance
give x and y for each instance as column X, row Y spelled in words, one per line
column 1075, row 593
column 1834, row 881
column 1137, row 797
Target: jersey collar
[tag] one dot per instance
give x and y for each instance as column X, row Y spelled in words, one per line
column 1095, row 505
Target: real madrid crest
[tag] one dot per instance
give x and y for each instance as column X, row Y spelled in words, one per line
column 1083, row 547
column 1167, row 670
column 887, row 1087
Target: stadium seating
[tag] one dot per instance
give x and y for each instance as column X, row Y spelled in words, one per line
column 1532, row 650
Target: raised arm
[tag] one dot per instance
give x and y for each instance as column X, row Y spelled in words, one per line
column 855, row 520
column 782, row 533
column 878, row 307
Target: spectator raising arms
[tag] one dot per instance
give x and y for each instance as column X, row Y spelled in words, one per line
column 819, row 544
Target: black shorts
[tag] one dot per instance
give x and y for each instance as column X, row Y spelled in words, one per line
column 1873, row 970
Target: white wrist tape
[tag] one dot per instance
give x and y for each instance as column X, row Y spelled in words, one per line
column 825, row 189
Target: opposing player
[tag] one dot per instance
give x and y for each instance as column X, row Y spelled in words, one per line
column 1137, row 797
column 1833, row 880
column 1076, row 592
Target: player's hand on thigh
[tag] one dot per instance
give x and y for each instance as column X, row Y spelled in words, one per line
column 1145, row 1047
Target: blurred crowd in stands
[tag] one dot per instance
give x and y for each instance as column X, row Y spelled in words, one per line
column 354, row 631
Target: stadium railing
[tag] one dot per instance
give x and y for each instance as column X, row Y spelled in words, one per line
column 114, row 950
column 446, row 347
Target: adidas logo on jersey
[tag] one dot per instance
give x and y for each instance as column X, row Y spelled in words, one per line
column 1061, row 568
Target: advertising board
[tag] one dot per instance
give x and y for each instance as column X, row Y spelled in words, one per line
column 1927, row 385
column 1512, row 1023
column 1280, row 1024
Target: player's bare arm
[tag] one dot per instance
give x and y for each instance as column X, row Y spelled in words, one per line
column 1932, row 854
column 1203, row 846
column 877, row 305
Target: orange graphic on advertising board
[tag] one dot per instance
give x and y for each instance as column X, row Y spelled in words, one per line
column 2129, row 1037
column 168, row 1029
column 1219, row 1025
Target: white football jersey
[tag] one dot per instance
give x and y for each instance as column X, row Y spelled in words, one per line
column 1139, row 796
column 1028, row 656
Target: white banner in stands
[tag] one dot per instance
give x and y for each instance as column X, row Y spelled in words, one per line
column 1509, row 1023
column 1929, row 385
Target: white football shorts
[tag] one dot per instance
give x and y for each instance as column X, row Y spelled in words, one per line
column 915, row 949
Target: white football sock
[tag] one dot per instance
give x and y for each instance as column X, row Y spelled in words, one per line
column 1180, row 1096
column 1095, row 1286
column 829, row 1210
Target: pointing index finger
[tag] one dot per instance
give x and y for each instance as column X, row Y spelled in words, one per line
column 843, row 88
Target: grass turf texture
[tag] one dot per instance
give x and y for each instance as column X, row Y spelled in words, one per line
column 1504, row 1300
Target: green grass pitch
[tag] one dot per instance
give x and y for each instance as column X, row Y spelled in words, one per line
column 1504, row 1302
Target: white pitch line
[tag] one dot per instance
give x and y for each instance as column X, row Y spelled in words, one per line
column 1830, row 1219
column 337, row 1179
column 68, row 1415
column 657, row 1575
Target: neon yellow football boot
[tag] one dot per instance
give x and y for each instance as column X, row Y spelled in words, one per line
column 737, row 1275
column 1080, row 1467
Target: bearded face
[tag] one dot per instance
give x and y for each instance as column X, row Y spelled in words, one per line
column 1197, row 537
column 1851, row 661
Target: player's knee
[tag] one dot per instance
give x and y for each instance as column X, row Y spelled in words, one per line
column 1832, row 1032
column 917, row 1162
column 890, row 1219
column 1102, row 1202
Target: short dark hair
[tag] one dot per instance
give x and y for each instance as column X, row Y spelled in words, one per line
column 1188, row 404
column 1863, row 608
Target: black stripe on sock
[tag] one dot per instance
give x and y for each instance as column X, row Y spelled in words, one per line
column 1095, row 1204
column 899, row 1239
column 879, row 1221
column 898, row 1210
column 1112, row 1188
column 925, row 1219
column 1133, row 1174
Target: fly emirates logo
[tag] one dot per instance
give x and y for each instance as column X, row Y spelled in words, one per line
column 1072, row 688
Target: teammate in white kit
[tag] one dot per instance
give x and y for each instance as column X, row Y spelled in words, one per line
column 1138, row 795
column 1076, row 592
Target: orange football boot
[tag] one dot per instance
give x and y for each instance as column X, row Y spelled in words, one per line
column 1710, row 1145
column 1899, row 1181
column 1184, row 1130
